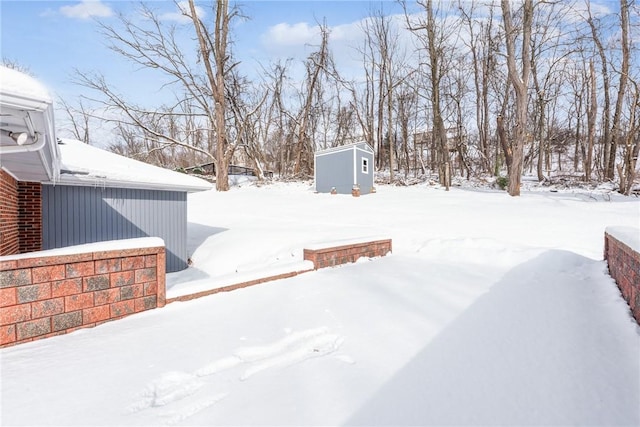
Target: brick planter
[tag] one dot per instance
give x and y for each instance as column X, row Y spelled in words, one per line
column 43, row 295
column 623, row 258
column 345, row 252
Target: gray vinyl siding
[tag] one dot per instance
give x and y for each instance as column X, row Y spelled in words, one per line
column 74, row 215
column 365, row 180
column 335, row 170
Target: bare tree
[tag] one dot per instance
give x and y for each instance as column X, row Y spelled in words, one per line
column 592, row 112
column 519, row 79
column 15, row 65
column 433, row 33
column 627, row 170
column 154, row 44
column 275, row 116
column 246, row 123
column 364, row 96
column 550, row 47
column 616, row 124
column 316, row 64
column 216, row 77
column 606, row 108
column 79, row 119
column 482, row 60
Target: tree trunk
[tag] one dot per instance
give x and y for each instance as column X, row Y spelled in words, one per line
column 591, row 122
column 622, row 87
column 606, row 110
column 504, row 143
column 519, row 82
column 392, row 151
column 216, row 82
column 632, row 146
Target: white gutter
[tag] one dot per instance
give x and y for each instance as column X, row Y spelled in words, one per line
column 36, row 146
column 40, row 140
column 104, row 182
column 29, row 97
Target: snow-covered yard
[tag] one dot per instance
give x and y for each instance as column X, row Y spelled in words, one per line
column 491, row 310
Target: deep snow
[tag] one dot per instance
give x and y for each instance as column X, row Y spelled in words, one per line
column 491, row 310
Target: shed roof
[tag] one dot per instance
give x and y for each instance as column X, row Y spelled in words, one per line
column 361, row 145
column 86, row 165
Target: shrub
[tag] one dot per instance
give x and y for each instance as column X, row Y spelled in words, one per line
column 502, row 182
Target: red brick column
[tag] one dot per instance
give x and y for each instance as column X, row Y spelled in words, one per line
column 30, row 216
column 52, row 295
column 20, row 215
column 9, row 235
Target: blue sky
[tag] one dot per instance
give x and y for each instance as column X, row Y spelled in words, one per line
column 52, row 38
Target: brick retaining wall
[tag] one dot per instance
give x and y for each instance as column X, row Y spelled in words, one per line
column 320, row 256
column 624, row 268
column 43, row 296
column 330, row 256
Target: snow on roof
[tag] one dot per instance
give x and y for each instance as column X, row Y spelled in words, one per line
column 362, row 145
column 85, row 165
column 16, row 88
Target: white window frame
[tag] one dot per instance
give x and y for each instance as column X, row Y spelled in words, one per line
column 365, row 165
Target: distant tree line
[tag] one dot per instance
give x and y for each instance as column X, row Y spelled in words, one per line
column 487, row 87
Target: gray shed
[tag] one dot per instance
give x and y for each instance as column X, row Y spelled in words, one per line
column 344, row 167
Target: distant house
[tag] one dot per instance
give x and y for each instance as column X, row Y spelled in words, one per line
column 57, row 194
column 344, row 167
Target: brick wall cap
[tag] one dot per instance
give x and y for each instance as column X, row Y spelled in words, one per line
column 111, row 245
column 630, row 236
column 288, row 269
column 347, row 242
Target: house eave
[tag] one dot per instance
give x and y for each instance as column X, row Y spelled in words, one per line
column 27, row 107
column 101, row 182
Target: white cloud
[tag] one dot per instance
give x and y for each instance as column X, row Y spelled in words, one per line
column 285, row 34
column 87, row 9
column 297, row 40
column 179, row 15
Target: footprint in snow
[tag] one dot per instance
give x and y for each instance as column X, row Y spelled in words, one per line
column 294, row 348
column 170, row 387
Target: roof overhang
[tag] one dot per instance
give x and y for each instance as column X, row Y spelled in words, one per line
column 80, row 179
column 89, row 166
column 26, row 108
column 362, row 146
